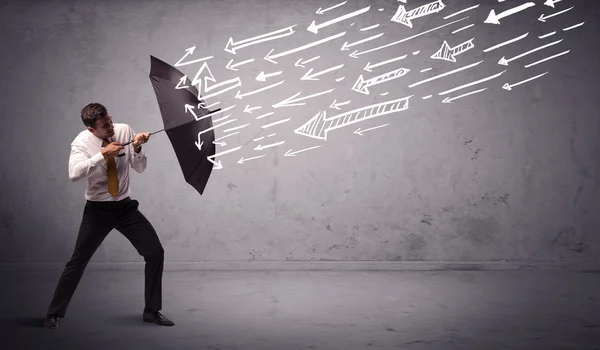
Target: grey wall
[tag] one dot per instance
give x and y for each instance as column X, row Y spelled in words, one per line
column 496, row 175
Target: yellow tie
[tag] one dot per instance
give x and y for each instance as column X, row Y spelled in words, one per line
column 111, row 171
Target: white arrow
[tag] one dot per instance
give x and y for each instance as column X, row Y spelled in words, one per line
column 218, row 164
column 506, row 42
column 290, row 101
column 551, row 2
column 232, row 46
column 270, row 57
column 503, row 61
column 449, row 53
column 308, row 76
column 494, row 18
column 402, row 16
column 363, row 85
column 337, row 105
column 347, row 46
column 209, row 77
column 247, row 109
column 263, row 77
column 189, row 108
column 301, row 63
column 369, row 67
column 182, row 81
column 233, row 66
column 361, row 132
column 240, row 95
column 315, row 28
column 544, row 18
column 242, row 160
column 449, row 100
column 190, row 51
column 320, row 12
column 509, row 87
column 289, row 153
column 260, row 148
column 199, row 143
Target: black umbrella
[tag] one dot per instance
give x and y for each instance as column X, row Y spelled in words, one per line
column 181, row 125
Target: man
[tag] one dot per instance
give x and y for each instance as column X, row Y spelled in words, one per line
column 96, row 156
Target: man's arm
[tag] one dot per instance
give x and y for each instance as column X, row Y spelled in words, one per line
column 80, row 165
column 138, row 160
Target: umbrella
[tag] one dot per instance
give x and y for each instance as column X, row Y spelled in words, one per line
column 191, row 147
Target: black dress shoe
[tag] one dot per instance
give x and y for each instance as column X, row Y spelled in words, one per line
column 157, row 318
column 51, row 322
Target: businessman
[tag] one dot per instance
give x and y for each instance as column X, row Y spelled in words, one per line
column 98, row 155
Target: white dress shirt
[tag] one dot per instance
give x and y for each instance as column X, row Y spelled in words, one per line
column 86, row 162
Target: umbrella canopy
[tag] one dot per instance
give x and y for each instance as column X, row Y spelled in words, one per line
column 184, row 131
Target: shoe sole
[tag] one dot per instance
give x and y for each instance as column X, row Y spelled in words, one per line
column 151, row 321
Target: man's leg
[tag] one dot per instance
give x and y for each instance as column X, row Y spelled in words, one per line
column 95, row 225
column 138, row 230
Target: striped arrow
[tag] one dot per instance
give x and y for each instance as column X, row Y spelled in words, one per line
column 448, row 53
column 362, row 85
column 403, row 17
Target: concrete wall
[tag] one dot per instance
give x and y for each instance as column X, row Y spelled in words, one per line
column 496, row 175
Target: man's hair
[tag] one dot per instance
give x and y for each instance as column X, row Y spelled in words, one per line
column 91, row 113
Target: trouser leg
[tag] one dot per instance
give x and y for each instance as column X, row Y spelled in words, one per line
column 138, row 230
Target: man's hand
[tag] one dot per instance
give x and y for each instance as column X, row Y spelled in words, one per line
column 112, row 150
column 141, row 138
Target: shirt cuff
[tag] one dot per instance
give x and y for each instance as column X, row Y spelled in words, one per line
column 97, row 158
column 138, row 155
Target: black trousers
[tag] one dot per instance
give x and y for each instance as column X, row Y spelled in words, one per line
column 99, row 218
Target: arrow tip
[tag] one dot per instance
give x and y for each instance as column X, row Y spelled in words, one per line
column 312, row 28
column 446, row 100
column 492, row 18
column 506, row 87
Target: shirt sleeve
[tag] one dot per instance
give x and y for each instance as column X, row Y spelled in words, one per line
column 138, row 161
column 81, row 166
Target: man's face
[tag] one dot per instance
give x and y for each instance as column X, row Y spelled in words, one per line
column 104, row 128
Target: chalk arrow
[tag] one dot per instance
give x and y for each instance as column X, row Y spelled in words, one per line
column 315, row 28
column 199, row 143
column 218, row 165
column 320, row 12
column 544, row 18
column 362, row 85
column 190, row 51
column 337, row 105
column 551, row 2
column 361, row 132
column 494, row 18
column 448, row 53
column 239, row 94
column 449, row 100
column 232, row 46
column 292, row 101
column 242, row 160
column 309, row 76
column 503, row 61
column 403, row 17
column 263, row 77
column 347, row 46
column 319, row 125
column 289, row 153
column 182, row 81
column 247, row 109
column 509, row 87
column 369, row 67
column 208, row 76
column 233, row 66
column 270, row 57
column 260, row 148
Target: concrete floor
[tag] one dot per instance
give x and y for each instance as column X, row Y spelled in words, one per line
column 311, row 310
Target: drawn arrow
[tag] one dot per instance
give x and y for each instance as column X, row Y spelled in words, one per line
column 190, row 51
column 239, row 95
column 509, row 87
column 292, row 101
column 247, row 109
column 319, row 125
column 363, row 85
column 218, row 165
column 337, row 105
column 315, row 28
column 208, row 76
column 301, row 63
column 233, row 66
column 449, row 100
column 369, row 67
column 494, row 18
column 544, row 18
column 270, row 57
column 308, row 76
column 260, row 148
column 242, row 160
column 347, row 46
column 361, row 132
column 503, row 61
column 289, row 153
column 551, row 2
column 182, row 81
column 233, row 46
column 263, row 77
column 403, row 17
column 320, row 12
column 448, row 53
